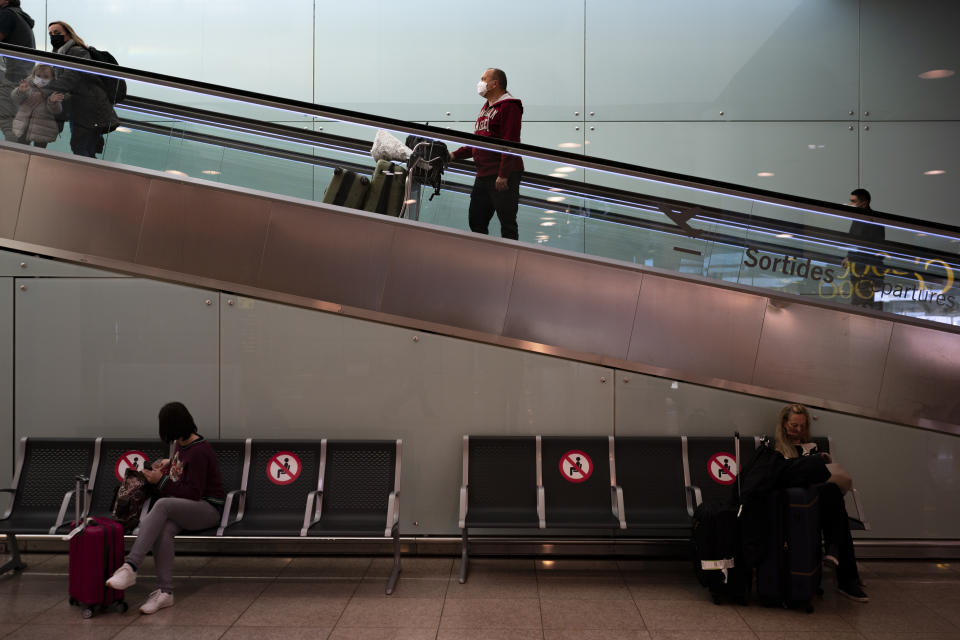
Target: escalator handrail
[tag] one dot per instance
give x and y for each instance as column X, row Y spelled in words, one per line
column 601, row 194
column 469, row 139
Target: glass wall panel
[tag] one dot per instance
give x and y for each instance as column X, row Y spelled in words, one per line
column 749, row 60
column 912, row 168
column 242, row 44
column 810, row 159
column 910, row 61
column 422, row 60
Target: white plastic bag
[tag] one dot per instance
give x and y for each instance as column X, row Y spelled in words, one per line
column 387, row 147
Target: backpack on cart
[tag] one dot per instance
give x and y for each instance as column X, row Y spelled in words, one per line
column 427, row 162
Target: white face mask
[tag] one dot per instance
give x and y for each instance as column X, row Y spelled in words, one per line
column 482, row 88
column 41, row 82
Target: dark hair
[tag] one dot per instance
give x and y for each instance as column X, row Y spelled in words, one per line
column 175, row 422
column 500, row 77
column 862, row 194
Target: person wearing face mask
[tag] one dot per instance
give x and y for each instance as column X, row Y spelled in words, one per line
column 497, row 186
column 37, row 108
column 91, row 112
column 16, row 27
column 793, row 440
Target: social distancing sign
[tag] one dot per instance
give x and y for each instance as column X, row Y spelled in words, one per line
column 723, row 468
column 129, row 460
column 284, row 468
column 576, row 466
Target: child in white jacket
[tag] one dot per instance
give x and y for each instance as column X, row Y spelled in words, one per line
column 37, row 108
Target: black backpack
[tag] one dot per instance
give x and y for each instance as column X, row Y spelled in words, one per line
column 427, row 162
column 116, row 88
column 129, row 498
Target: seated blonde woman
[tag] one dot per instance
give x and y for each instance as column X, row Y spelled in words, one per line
column 793, row 440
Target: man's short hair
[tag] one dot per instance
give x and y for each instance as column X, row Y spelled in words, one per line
column 500, row 77
column 862, row 194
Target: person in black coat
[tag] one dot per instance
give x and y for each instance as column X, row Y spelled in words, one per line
column 91, row 111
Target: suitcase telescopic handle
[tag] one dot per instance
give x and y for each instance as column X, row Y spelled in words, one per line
column 81, row 495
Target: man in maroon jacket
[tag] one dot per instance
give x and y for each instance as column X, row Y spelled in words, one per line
column 497, row 187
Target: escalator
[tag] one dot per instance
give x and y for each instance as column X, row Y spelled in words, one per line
column 620, row 266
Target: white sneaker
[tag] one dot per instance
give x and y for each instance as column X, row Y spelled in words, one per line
column 156, row 601
column 123, row 578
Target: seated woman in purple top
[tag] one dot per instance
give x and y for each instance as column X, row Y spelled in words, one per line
column 192, row 498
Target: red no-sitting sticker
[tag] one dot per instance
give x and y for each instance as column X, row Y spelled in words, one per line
column 284, row 467
column 576, row 466
column 129, row 460
column 723, row 468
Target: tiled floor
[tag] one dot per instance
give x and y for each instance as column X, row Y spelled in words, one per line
column 342, row 599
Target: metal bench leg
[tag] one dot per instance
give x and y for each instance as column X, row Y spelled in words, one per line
column 395, row 574
column 464, row 555
column 14, row 563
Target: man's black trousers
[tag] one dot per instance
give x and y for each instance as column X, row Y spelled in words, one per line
column 485, row 200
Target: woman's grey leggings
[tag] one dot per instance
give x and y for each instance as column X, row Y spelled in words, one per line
column 165, row 520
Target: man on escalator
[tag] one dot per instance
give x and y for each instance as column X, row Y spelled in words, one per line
column 497, row 186
column 16, row 27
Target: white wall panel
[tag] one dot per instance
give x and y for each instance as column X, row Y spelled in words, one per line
column 294, row 373
column 907, row 478
column 7, row 438
column 100, row 356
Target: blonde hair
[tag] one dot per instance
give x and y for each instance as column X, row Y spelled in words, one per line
column 42, row 67
column 72, row 35
column 782, row 442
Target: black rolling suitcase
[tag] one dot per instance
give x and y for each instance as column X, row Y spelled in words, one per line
column 715, row 548
column 789, row 574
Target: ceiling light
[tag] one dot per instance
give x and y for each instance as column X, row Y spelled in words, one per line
column 765, row 174
column 565, row 169
column 934, row 172
column 555, row 189
column 937, row 74
column 547, row 218
column 174, row 172
column 123, row 129
column 548, row 224
column 550, row 211
column 558, row 175
column 409, row 202
column 211, row 172
column 569, row 145
column 784, row 235
column 556, row 199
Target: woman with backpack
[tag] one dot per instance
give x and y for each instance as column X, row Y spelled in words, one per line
column 192, row 498
column 91, row 110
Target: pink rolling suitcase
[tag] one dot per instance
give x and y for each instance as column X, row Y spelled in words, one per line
column 96, row 551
